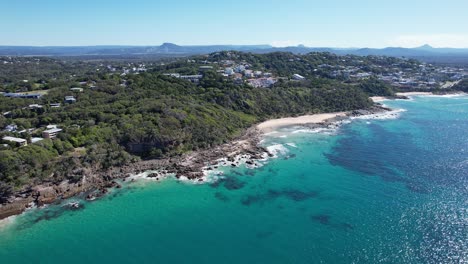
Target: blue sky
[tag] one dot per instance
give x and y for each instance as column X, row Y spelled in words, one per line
column 333, row 23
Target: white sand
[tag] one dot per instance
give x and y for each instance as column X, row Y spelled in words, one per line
column 271, row 125
column 377, row 99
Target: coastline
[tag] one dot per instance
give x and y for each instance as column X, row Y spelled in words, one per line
column 407, row 95
column 191, row 166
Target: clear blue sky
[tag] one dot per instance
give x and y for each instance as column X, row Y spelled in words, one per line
column 347, row 23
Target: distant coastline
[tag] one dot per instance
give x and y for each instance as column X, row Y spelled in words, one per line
column 406, row 95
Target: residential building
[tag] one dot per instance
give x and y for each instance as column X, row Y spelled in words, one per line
column 248, row 74
column 11, row 128
column 23, row 95
column 298, row 77
column 229, row 71
column 205, row 68
column 192, row 78
column 76, row 89
column 35, row 106
column 36, row 139
column 19, row 141
column 51, row 133
column 70, row 99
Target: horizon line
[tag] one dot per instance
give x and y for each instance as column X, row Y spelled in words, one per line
column 207, row 45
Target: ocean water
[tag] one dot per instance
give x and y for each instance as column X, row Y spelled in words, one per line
column 389, row 190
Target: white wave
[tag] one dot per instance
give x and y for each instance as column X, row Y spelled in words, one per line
column 394, row 114
column 7, row 221
column 277, row 149
column 161, row 174
column 321, row 130
column 271, row 133
column 447, row 95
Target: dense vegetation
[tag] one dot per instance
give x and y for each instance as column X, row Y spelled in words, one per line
column 462, row 86
column 123, row 118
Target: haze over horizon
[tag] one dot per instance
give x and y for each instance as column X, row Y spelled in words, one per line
column 358, row 24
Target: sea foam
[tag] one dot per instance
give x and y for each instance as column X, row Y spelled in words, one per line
column 394, row 114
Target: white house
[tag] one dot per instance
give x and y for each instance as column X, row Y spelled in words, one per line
column 18, row 141
column 298, row 77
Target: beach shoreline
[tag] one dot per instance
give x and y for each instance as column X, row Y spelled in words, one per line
column 273, row 124
column 407, row 95
column 190, row 166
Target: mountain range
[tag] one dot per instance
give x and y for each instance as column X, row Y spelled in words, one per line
column 168, row 49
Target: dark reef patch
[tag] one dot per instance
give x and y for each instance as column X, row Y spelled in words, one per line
column 50, row 213
column 321, row 218
column 230, row 183
column 292, row 194
column 222, row 197
column 345, row 226
column 325, row 219
column 251, row 199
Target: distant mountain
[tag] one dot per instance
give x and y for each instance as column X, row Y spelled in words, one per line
column 173, row 49
column 165, row 48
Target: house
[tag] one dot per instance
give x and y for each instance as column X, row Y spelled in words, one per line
column 23, row 95
column 18, row 141
column 239, row 68
column 70, row 99
column 176, row 75
column 51, row 133
column 229, row 71
column 35, row 106
column 76, row 89
column 205, row 68
column 248, row 74
column 298, row 77
column 192, row 78
column 36, row 139
column 11, row 128
column 262, row 82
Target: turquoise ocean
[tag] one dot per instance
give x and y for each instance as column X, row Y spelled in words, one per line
column 377, row 190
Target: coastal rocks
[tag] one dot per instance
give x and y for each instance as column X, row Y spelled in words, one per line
column 370, row 111
column 73, row 206
column 45, row 195
column 15, row 207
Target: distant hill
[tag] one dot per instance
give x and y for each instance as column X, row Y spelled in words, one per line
column 166, row 48
column 425, row 52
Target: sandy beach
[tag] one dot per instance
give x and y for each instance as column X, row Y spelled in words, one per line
column 273, row 124
column 377, row 99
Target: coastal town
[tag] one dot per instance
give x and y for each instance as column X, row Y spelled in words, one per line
column 233, row 67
